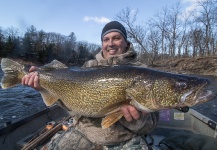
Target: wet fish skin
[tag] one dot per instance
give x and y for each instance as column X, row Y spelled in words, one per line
column 101, row 92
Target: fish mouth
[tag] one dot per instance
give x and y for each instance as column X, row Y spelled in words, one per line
column 201, row 95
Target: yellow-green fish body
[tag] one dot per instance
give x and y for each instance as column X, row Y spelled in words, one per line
column 101, row 92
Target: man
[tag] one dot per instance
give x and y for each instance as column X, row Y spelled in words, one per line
column 128, row 132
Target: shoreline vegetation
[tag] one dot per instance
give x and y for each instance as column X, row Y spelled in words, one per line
column 166, row 41
column 171, row 40
column 190, row 65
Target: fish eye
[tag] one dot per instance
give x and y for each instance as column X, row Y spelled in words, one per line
column 182, row 85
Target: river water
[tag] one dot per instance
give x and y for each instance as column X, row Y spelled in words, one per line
column 20, row 101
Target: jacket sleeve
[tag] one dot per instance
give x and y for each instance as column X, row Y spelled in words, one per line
column 90, row 63
column 145, row 124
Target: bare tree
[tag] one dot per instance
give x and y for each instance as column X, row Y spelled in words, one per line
column 174, row 29
column 207, row 18
column 160, row 22
column 183, row 38
column 12, row 32
column 70, row 45
column 153, row 40
column 1, row 39
column 135, row 32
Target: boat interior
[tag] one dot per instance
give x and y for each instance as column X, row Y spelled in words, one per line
column 28, row 133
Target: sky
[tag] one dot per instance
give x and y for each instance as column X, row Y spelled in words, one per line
column 85, row 18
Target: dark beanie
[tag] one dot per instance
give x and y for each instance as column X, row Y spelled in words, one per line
column 114, row 26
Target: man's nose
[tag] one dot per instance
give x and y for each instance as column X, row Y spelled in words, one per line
column 111, row 42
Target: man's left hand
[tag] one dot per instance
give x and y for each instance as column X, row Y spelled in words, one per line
column 130, row 112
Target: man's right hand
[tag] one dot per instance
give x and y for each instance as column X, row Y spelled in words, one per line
column 32, row 79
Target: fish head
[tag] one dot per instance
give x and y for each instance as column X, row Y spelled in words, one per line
column 195, row 90
column 182, row 90
column 169, row 91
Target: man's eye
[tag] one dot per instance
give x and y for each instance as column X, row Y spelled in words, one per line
column 117, row 38
column 105, row 40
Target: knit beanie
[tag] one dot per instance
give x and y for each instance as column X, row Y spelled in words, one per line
column 114, row 26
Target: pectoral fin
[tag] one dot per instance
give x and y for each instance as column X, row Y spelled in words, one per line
column 48, row 97
column 111, row 119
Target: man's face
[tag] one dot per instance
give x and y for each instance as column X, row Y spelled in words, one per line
column 113, row 44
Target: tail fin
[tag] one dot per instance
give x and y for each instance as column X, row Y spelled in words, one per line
column 13, row 72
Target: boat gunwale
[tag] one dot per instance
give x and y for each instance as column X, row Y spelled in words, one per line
column 9, row 128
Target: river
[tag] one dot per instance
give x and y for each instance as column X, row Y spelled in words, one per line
column 20, row 101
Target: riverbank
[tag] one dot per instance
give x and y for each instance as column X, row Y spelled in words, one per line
column 197, row 65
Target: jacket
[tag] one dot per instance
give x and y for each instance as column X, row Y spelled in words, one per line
column 122, row 130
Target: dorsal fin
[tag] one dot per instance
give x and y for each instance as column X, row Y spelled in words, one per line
column 55, row 64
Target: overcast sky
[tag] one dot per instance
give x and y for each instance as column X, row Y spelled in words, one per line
column 85, row 18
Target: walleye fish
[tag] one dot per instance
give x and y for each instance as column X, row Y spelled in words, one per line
column 102, row 92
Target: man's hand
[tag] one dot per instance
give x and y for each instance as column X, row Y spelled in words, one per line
column 130, row 113
column 32, row 79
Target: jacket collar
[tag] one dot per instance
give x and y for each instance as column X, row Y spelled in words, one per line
column 118, row 59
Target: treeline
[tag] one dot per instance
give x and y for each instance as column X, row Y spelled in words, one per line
column 174, row 32
column 39, row 46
